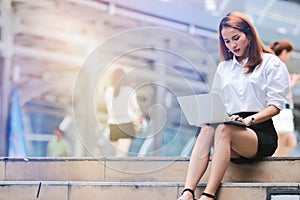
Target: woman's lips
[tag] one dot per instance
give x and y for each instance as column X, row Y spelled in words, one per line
column 236, row 51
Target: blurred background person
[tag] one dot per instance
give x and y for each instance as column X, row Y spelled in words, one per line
column 284, row 121
column 59, row 146
column 123, row 111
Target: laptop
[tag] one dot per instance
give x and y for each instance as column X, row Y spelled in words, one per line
column 204, row 109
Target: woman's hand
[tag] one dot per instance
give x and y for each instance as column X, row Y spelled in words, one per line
column 246, row 120
column 236, row 118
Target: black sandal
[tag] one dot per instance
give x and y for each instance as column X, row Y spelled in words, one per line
column 209, row 195
column 189, row 190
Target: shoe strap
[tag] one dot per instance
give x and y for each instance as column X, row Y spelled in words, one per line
column 209, row 195
column 188, row 190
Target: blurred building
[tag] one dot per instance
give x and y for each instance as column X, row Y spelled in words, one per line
column 58, row 54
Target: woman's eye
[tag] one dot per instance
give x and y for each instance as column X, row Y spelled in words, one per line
column 236, row 38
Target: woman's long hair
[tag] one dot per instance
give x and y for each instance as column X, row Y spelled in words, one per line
column 117, row 80
column 278, row 47
column 255, row 48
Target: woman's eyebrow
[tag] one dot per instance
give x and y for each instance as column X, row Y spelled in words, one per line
column 236, row 35
column 231, row 37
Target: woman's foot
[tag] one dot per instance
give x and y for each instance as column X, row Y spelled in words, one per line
column 187, row 194
column 207, row 196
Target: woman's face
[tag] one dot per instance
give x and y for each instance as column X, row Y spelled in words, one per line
column 236, row 41
column 285, row 56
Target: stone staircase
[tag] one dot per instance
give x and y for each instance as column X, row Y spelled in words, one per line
column 136, row 178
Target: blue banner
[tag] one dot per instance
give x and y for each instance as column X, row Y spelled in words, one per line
column 16, row 146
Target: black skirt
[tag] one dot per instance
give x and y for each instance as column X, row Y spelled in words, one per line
column 267, row 139
column 118, row 131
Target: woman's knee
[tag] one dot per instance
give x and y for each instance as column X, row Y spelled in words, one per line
column 223, row 132
column 207, row 128
column 206, row 131
column 206, row 134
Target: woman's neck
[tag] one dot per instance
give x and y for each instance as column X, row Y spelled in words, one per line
column 240, row 59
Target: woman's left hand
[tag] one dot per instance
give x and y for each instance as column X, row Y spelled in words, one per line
column 236, row 118
column 246, row 120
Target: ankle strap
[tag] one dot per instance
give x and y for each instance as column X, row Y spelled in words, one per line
column 188, row 190
column 209, row 195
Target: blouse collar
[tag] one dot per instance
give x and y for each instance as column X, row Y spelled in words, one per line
column 236, row 62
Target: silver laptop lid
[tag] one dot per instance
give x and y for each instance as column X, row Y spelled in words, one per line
column 203, row 109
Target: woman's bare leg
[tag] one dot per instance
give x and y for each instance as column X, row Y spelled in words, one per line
column 122, row 147
column 227, row 139
column 292, row 142
column 199, row 160
column 286, row 143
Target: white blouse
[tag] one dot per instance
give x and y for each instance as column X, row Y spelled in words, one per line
column 122, row 108
column 267, row 85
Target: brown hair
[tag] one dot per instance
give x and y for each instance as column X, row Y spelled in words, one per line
column 117, row 79
column 278, row 47
column 255, row 48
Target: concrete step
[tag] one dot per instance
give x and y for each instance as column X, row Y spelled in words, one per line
column 29, row 190
column 281, row 170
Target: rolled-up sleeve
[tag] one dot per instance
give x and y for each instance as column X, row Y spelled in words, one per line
column 277, row 83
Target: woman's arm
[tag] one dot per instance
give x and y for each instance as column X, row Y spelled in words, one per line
column 261, row 116
column 295, row 78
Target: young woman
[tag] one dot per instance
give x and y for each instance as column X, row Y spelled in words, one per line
column 284, row 121
column 122, row 106
column 254, row 84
